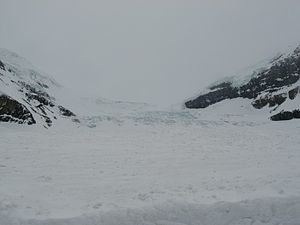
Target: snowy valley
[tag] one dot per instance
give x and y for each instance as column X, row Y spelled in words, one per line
column 72, row 160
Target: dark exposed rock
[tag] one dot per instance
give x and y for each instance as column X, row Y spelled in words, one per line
column 65, row 112
column 13, row 111
column 293, row 93
column 40, row 98
column 283, row 115
column 283, row 73
column 48, row 121
column 286, row 115
column 2, row 66
column 296, row 114
column 35, row 94
column 271, row 100
column 203, row 101
column 260, row 103
column 277, row 100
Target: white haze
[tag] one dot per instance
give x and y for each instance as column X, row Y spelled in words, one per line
column 151, row 51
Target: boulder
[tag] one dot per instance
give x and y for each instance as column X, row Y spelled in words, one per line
column 293, row 93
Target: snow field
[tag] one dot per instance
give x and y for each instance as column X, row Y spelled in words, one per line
column 150, row 174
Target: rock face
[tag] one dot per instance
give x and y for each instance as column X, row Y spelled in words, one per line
column 65, row 112
column 267, row 87
column 13, row 111
column 26, row 96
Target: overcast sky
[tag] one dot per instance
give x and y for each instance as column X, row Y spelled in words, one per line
column 156, row 51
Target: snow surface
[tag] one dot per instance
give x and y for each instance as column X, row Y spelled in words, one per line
column 153, row 167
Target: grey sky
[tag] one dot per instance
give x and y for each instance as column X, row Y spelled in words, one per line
column 157, row 51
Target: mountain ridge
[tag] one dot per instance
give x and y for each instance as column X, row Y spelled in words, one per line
column 268, row 86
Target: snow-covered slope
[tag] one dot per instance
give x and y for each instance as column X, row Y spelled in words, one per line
column 273, row 84
column 26, row 96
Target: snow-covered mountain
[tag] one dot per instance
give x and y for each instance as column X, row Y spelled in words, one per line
column 273, row 85
column 26, row 96
column 271, row 89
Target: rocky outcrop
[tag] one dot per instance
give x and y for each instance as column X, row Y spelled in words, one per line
column 270, row 100
column 2, row 67
column 293, row 93
column 13, row 111
column 65, row 112
column 218, row 93
column 286, row 115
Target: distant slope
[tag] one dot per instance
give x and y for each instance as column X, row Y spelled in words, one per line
column 274, row 85
column 26, row 96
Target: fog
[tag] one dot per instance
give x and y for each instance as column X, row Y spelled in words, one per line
column 156, row 51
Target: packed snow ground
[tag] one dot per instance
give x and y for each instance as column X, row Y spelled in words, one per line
column 152, row 167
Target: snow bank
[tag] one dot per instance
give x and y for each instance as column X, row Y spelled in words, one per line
column 262, row 211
